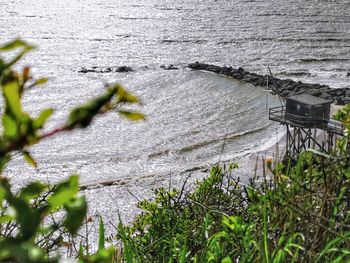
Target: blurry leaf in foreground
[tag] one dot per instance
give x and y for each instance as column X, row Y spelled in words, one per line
column 125, row 96
column 133, row 115
column 42, row 118
column 39, row 82
column 10, row 126
column 82, row 116
column 32, row 190
column 11, row 94
column 64, row 192
column 76, row 211
column 17, row 43
column 29, row 159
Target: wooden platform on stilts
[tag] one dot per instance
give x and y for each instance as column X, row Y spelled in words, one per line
column 303, row 132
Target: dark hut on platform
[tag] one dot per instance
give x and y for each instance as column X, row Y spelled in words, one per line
column 310, row 111
column 303, row 115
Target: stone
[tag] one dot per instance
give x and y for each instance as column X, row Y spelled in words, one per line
column 123, row 69
column 237, row 76
column 169, row 67
column 339, row 101
column 314, row 92
column 85, row 70
column 325, row 96
column 240, row 70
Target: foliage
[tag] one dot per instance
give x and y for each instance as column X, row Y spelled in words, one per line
column 299, row 214
column 343, row 115
column 35, row 221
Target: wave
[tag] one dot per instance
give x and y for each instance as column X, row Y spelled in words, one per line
column 311, row 60
column 296, row 74
column 283, row 40
column 193, row 41
column 136, row 18
column 219, row 139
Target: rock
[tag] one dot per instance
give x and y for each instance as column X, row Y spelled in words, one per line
column 314, row 92
column 261, row 82
column 285, row 93
column 233, row 70
column 237, row 76
column 347, row 100
column 123, row 69
column 325, row 89
column 325, row 96
column 286, row 86
column 169, row 67
column 240, row 70
column 214, row 69
column 105, row 70
column 85, row 70
column 339, row 101
column 195, row 65
column 225, row 70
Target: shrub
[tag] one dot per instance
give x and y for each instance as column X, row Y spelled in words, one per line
column 300, row 214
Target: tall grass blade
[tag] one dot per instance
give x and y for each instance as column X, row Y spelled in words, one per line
column 101, row 235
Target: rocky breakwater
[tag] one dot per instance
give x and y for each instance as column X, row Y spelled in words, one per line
column 283, row 87
column 105, row 69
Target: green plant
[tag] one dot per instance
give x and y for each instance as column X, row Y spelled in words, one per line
column 35, row 221
column 299, row 214
column 175, row 227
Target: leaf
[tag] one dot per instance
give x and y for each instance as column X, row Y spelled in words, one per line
column 2, row 195
column 5, row 219
column 82, row 116
column 18, row 251
column 4, row 160
column 133, row 115
column 319, row 153
column 42, row 118
column 10, row 126
column 29, row 159
column 40, row 81
column 11, row 94
column 76, row 212
column 13, row 61
column 32, row 190
column 64, row 193
column 226, row 260
column 29, row 220
column 128, row 250
column 125, row 96
column 253, row 197
column 17, row 43
column 101, row 235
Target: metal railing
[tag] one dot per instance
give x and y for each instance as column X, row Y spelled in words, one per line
column 279, row 114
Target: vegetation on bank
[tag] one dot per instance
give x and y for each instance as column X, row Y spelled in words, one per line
column 299, row 214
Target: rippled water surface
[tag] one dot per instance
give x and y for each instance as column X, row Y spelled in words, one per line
column 191, row 115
